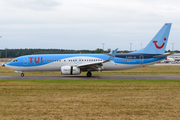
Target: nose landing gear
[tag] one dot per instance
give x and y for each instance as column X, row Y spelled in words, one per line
column 22, row 74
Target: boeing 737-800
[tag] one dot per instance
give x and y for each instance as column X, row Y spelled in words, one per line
column 73, row 64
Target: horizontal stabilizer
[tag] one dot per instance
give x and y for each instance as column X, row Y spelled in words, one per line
column 159, row 56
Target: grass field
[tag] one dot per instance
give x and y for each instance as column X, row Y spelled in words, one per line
column 149, row 70
column 89, row 99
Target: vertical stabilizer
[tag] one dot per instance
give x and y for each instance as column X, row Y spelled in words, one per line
column 158, row 43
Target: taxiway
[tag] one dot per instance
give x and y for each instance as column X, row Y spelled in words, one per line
column 95, row 77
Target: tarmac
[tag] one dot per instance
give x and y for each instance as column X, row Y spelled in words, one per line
column 95, row 77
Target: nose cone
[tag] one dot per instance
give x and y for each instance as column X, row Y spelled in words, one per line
column 7, row 65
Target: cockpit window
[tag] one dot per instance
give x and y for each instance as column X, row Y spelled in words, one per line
column 15, row 60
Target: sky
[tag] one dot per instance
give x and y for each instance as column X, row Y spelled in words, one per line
column 86, row 24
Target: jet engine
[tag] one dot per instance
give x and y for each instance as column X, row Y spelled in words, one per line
column 70, row 70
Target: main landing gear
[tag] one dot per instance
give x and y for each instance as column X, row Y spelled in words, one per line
column 22, row 74
column 89, row 74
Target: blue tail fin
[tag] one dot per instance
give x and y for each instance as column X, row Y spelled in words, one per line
column 158, row 43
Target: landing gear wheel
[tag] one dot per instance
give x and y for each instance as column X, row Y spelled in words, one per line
column 22, row 74
column 89, row 74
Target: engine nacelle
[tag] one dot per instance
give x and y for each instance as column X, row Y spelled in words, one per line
column 70, row 70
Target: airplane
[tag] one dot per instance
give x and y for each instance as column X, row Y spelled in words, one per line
column 74, row 64
column 169, row 60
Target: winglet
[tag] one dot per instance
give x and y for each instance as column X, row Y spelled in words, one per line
column 113, row 54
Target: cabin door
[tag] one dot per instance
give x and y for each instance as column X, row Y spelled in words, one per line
column 25, row 61
column 141, row 59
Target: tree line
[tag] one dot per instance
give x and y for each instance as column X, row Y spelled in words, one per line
column 12, row 53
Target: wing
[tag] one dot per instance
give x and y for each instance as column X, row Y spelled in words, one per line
column 94, row 66
column 97, row 65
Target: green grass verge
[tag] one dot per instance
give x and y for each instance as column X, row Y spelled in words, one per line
column 89, row 99
column 91, row 81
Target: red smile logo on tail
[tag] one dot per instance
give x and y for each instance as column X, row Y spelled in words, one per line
column 159, row 47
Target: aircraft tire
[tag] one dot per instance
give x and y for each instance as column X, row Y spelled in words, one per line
column 89, row 74
column 22, row 74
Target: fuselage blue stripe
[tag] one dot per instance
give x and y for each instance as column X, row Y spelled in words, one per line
column 39, row 60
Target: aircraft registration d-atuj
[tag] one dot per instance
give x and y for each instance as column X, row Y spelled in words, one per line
column 73, row 64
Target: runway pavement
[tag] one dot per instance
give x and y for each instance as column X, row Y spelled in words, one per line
column 97, row 77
